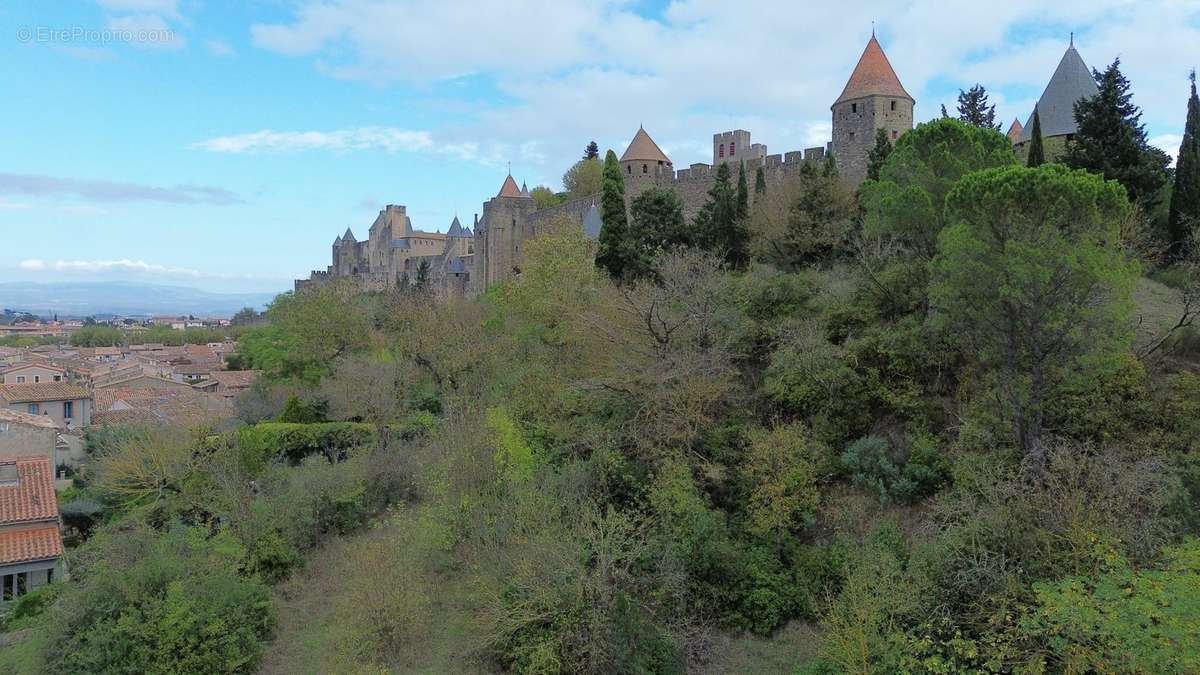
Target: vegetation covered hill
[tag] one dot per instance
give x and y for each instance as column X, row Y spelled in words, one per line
column 920, row 429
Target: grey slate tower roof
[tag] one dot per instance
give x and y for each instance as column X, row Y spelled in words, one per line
column 349, row 236
column 455, row 229
column 592, row 222
column 1072, row 80
column 337, row 242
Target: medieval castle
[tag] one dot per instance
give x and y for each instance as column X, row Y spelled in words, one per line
column 467, row 260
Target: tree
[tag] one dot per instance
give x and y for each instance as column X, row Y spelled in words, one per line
column 760, row 181
column 907, row 203
column 1110, row 139
column 717, row 224
column 544, row 197
column 1185, row 199
column 782, row 480
column 657, row 225
column 592, row 151
column 973, row 108
column 584, row 179
column 614, row 250
column 1037, row 152
column 878, row 154
column 421, row 285
column 743, row 193
column 246, row 316
column 945, row 115
column 1032, row 276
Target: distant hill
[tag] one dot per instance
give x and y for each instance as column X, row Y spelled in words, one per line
column 79, row 299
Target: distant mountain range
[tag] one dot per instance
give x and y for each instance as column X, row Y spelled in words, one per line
column 81, row 299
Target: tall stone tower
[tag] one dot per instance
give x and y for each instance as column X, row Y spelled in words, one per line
column 873, row 99
column 644, row 164
column 499, row 235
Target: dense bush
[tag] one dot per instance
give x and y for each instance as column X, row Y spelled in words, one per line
column 271, row 441
column 872, row 463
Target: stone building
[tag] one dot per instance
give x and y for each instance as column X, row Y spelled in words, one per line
column 735, row 146
column 872, row 99
column 1072, row 80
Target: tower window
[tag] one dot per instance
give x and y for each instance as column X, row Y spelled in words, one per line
column 732, row 147
column 628, row 168
column 851, row 135
column 853, row 107
column 894, row 134
column 721, row 150
column 893, row 105
column 644, row 168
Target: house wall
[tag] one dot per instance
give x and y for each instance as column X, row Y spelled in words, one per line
column 31, row 374
column 23, row 440
column 81, row 416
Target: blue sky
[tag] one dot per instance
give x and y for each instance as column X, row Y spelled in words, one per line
column 224, row 145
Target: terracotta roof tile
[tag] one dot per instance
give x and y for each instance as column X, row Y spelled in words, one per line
column 31, row 497
column 509, row 189
column 42, row 391
column 1014, row 131
column 40, row 543
column 873, row 76
column 17, row 417
column 643, row 149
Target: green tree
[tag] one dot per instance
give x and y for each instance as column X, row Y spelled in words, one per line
column 878, row 154
column 973, row 108
column 544, row 197
column 1030, row 273
column 421, row 285
column 592, row 151
column 760, row 181
column 1185, row 199
column 614, row 254
column 908, row 201
column 743, row 193
column 718, row 225
column 97, row 335
column 246, row 316
column 781, row 476
column 1110, row 139
column 584, row 179
column 658, row 223
column 1037, row 151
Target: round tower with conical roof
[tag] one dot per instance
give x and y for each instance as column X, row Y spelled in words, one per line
column 873, row 99
column 644, row 164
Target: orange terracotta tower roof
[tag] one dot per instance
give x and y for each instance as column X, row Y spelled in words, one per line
column 873, row 76
column 509, row 189
column 643, row 149
column 1014, row 131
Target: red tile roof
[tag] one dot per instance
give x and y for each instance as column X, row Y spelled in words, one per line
column 1014, row 131
column 17, row 417
column 509, row 189
column 42, row 391
column 40, row 543
column 643, row 149
column 873, row 76
column 31, row 497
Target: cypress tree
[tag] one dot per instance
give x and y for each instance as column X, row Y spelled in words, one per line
column 718, row 225
column 613, row 255
column 1185, row 200
column 1111, row 140
column 1037, row 152
column 878, row 154
column 743, row 194
column 760, row 181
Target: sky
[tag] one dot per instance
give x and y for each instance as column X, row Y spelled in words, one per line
column 224, row 145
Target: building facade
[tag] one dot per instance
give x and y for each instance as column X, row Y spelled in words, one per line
column 30, row 534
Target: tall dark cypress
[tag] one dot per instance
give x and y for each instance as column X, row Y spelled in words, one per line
column 743, row 194
column 614, row 231
column 760, row 181
column 1185, row 200
column 1037, row 152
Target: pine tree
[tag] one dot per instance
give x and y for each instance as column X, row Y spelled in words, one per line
column 760, row 181
column 718, row 225
column 973, row 108
column 614, row 233
column 878, row 154
column 944, row 113
column 1037, row 152
column 1185, row 200
column 422, row 282
column 743, row 194
column 1111, row 140
column 592, row 151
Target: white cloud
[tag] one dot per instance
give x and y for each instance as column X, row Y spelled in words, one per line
column 148, row 30
column 388, row 139
column 219, row 47
column 1168, row 143
column 113, row 191
column 577, row 69
column 98, row 266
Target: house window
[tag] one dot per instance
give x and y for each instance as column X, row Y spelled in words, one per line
column 37, row 378
column 853, row 107
column 58, row 378
column 68, row 409
column 34, row 409
column 721, row 150
column 20, row 379
column 893, row 105
column 732, row 149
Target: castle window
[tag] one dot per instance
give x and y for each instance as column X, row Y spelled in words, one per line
column 628, row 168
column 894, row 134
column 851, row 135
column 644, row 169
column 853, row 107
column 721, row 150
column 732, row 148
column 893, row 105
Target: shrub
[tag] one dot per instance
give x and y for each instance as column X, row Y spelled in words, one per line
column 296, row 411
column 272, row 441
column 871, row 464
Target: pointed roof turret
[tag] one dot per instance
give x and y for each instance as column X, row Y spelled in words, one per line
column 524, row 190
column 1014, row 131
column 337, row 242
column 873, row 76
column 509, row 188
column 455, row 229
column 349, row 236
column 1071, row 81
column 643, row 149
